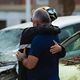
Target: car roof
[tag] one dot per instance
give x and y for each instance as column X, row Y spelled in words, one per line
column 21, row 26
column 66, row 20
column 60, row 21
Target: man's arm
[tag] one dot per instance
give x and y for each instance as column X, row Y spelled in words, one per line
column 29, row 62
column 33, row 55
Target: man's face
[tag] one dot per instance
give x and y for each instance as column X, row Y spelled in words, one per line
column 37, row 22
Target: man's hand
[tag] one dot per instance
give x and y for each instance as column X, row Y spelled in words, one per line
column 55, row 48
column 20, row 56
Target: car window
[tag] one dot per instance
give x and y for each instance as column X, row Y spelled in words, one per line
column 9, row 43
column 68, row 31
column 9, row 39
column 75, row 45
column 76, row 27
column 73, row 48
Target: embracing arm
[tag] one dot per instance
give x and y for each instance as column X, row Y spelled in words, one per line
column 58, row 49
column 33, row 55
column 29, row 62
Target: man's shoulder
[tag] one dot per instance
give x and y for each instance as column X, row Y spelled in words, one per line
column 42, row 39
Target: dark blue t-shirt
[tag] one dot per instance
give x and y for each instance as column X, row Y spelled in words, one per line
column 47, row 66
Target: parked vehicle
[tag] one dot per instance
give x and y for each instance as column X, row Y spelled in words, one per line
column 10, row 37
column 68, row 24
column 70, row 65
column 8, row 72
column 72, row 46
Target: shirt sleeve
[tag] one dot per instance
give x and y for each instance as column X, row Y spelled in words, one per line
column 36, row 47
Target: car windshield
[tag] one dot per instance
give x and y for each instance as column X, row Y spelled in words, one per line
column 9, row 43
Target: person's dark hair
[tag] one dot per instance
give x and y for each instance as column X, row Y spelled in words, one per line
column 41, row 15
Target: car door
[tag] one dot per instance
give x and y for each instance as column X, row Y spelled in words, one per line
column 67, row 31
column 72, row 45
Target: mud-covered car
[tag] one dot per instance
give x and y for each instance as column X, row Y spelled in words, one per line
column 10, row 38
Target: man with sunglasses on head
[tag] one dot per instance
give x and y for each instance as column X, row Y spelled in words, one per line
column 39, row 63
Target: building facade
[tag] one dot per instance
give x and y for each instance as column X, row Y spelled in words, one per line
column 13, row 12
